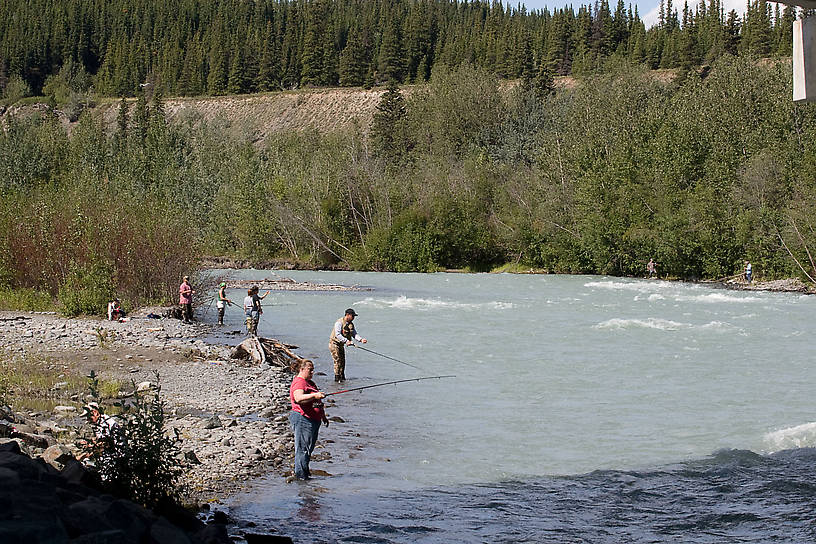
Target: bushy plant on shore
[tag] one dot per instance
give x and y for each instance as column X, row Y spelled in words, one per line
column 26, row 299
column 5, row 392
column 136, row 457
column 86, row 290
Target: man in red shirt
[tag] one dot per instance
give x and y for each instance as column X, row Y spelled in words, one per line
column 305, row 417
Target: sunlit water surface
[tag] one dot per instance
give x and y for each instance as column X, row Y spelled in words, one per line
column 584, row 409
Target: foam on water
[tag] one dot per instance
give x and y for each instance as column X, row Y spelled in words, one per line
column 714, row 298
column 664, row 325
column 650, row 323
column 678, row 292
column 718, row 326
column 800, row 436
column 403, row 302
column 640, row 286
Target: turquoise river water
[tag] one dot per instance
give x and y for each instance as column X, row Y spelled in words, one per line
column 584, row 409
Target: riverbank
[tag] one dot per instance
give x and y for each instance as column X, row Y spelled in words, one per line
column 786, row 285
column 231, row 417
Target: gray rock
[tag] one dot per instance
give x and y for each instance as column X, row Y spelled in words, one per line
column 35, row 440
column 213, row 423
column 57, row 455
column 191, row 457
column 163, row 532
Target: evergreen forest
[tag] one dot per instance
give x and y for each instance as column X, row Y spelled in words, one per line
column 217, row 47
column 698, row 167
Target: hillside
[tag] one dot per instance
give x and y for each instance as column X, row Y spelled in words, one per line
column 262, row 114
column 259, row 115
column 326, row 110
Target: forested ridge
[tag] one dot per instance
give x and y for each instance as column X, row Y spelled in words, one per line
column 699, row 171
column 216, row 47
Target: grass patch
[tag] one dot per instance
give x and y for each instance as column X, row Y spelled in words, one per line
column 517, row 268
column 24, row 101
column 39, row 384
column 110, row 390
column 26, row 299
column 5, row 392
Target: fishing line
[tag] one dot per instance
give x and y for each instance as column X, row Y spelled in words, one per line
column 386, row 356
column 388, row 383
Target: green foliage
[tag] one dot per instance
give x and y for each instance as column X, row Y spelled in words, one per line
column 26, row 299
column 87, row 289
column 136, row 458
column 408, row 245
column 202, row 46
column 16, row 89
column 70, row 89
column 386, row 126
column 697, row 172
column 453, row 114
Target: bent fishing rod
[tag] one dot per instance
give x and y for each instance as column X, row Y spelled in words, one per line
column 386, row 356
column 388, row 383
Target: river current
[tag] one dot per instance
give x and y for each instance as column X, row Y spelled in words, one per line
column 584, row 409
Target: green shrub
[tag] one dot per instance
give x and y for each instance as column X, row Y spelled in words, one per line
column 16, row 88
column 407, row 246
column 87, row 290
column 5, row 392
column 26, row 299
column 136, row 459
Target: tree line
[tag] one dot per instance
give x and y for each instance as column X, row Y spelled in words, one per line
column 216, row 47
column 697, row 172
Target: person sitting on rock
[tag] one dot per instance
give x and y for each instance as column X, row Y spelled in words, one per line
column 115, row 311
column 104, row 426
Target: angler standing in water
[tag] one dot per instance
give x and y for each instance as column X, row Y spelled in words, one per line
column 305, row 417
column 222, row 302
column 342, row 335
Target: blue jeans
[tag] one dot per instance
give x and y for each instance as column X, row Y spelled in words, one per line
column 305, row 430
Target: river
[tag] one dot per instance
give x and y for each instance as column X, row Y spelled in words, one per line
column 584, row 409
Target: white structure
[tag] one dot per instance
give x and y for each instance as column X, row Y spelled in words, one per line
column 804, row 60
column 804, row 53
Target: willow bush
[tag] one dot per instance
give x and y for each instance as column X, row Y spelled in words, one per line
column 697, row 170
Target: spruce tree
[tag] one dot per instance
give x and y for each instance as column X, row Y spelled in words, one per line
column 353, row 65
column 122, row 118
column 217, row 77
column 385, row 127
column 544, row 82
column 311, row 58
column 390, row 63
column 237, row 80
column 141, row 119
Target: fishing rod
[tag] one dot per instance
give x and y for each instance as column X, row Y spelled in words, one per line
column 386, row 356
column 388, row 383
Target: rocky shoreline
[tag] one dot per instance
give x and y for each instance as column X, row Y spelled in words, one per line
column 232, row 416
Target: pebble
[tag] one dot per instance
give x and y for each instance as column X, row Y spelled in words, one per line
column 196, row 391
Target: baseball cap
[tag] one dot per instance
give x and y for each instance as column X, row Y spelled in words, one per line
column 86, row 410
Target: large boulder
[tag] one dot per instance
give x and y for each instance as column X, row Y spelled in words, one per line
column 39, row 503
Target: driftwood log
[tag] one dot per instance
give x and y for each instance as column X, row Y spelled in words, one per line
column 270, row 351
